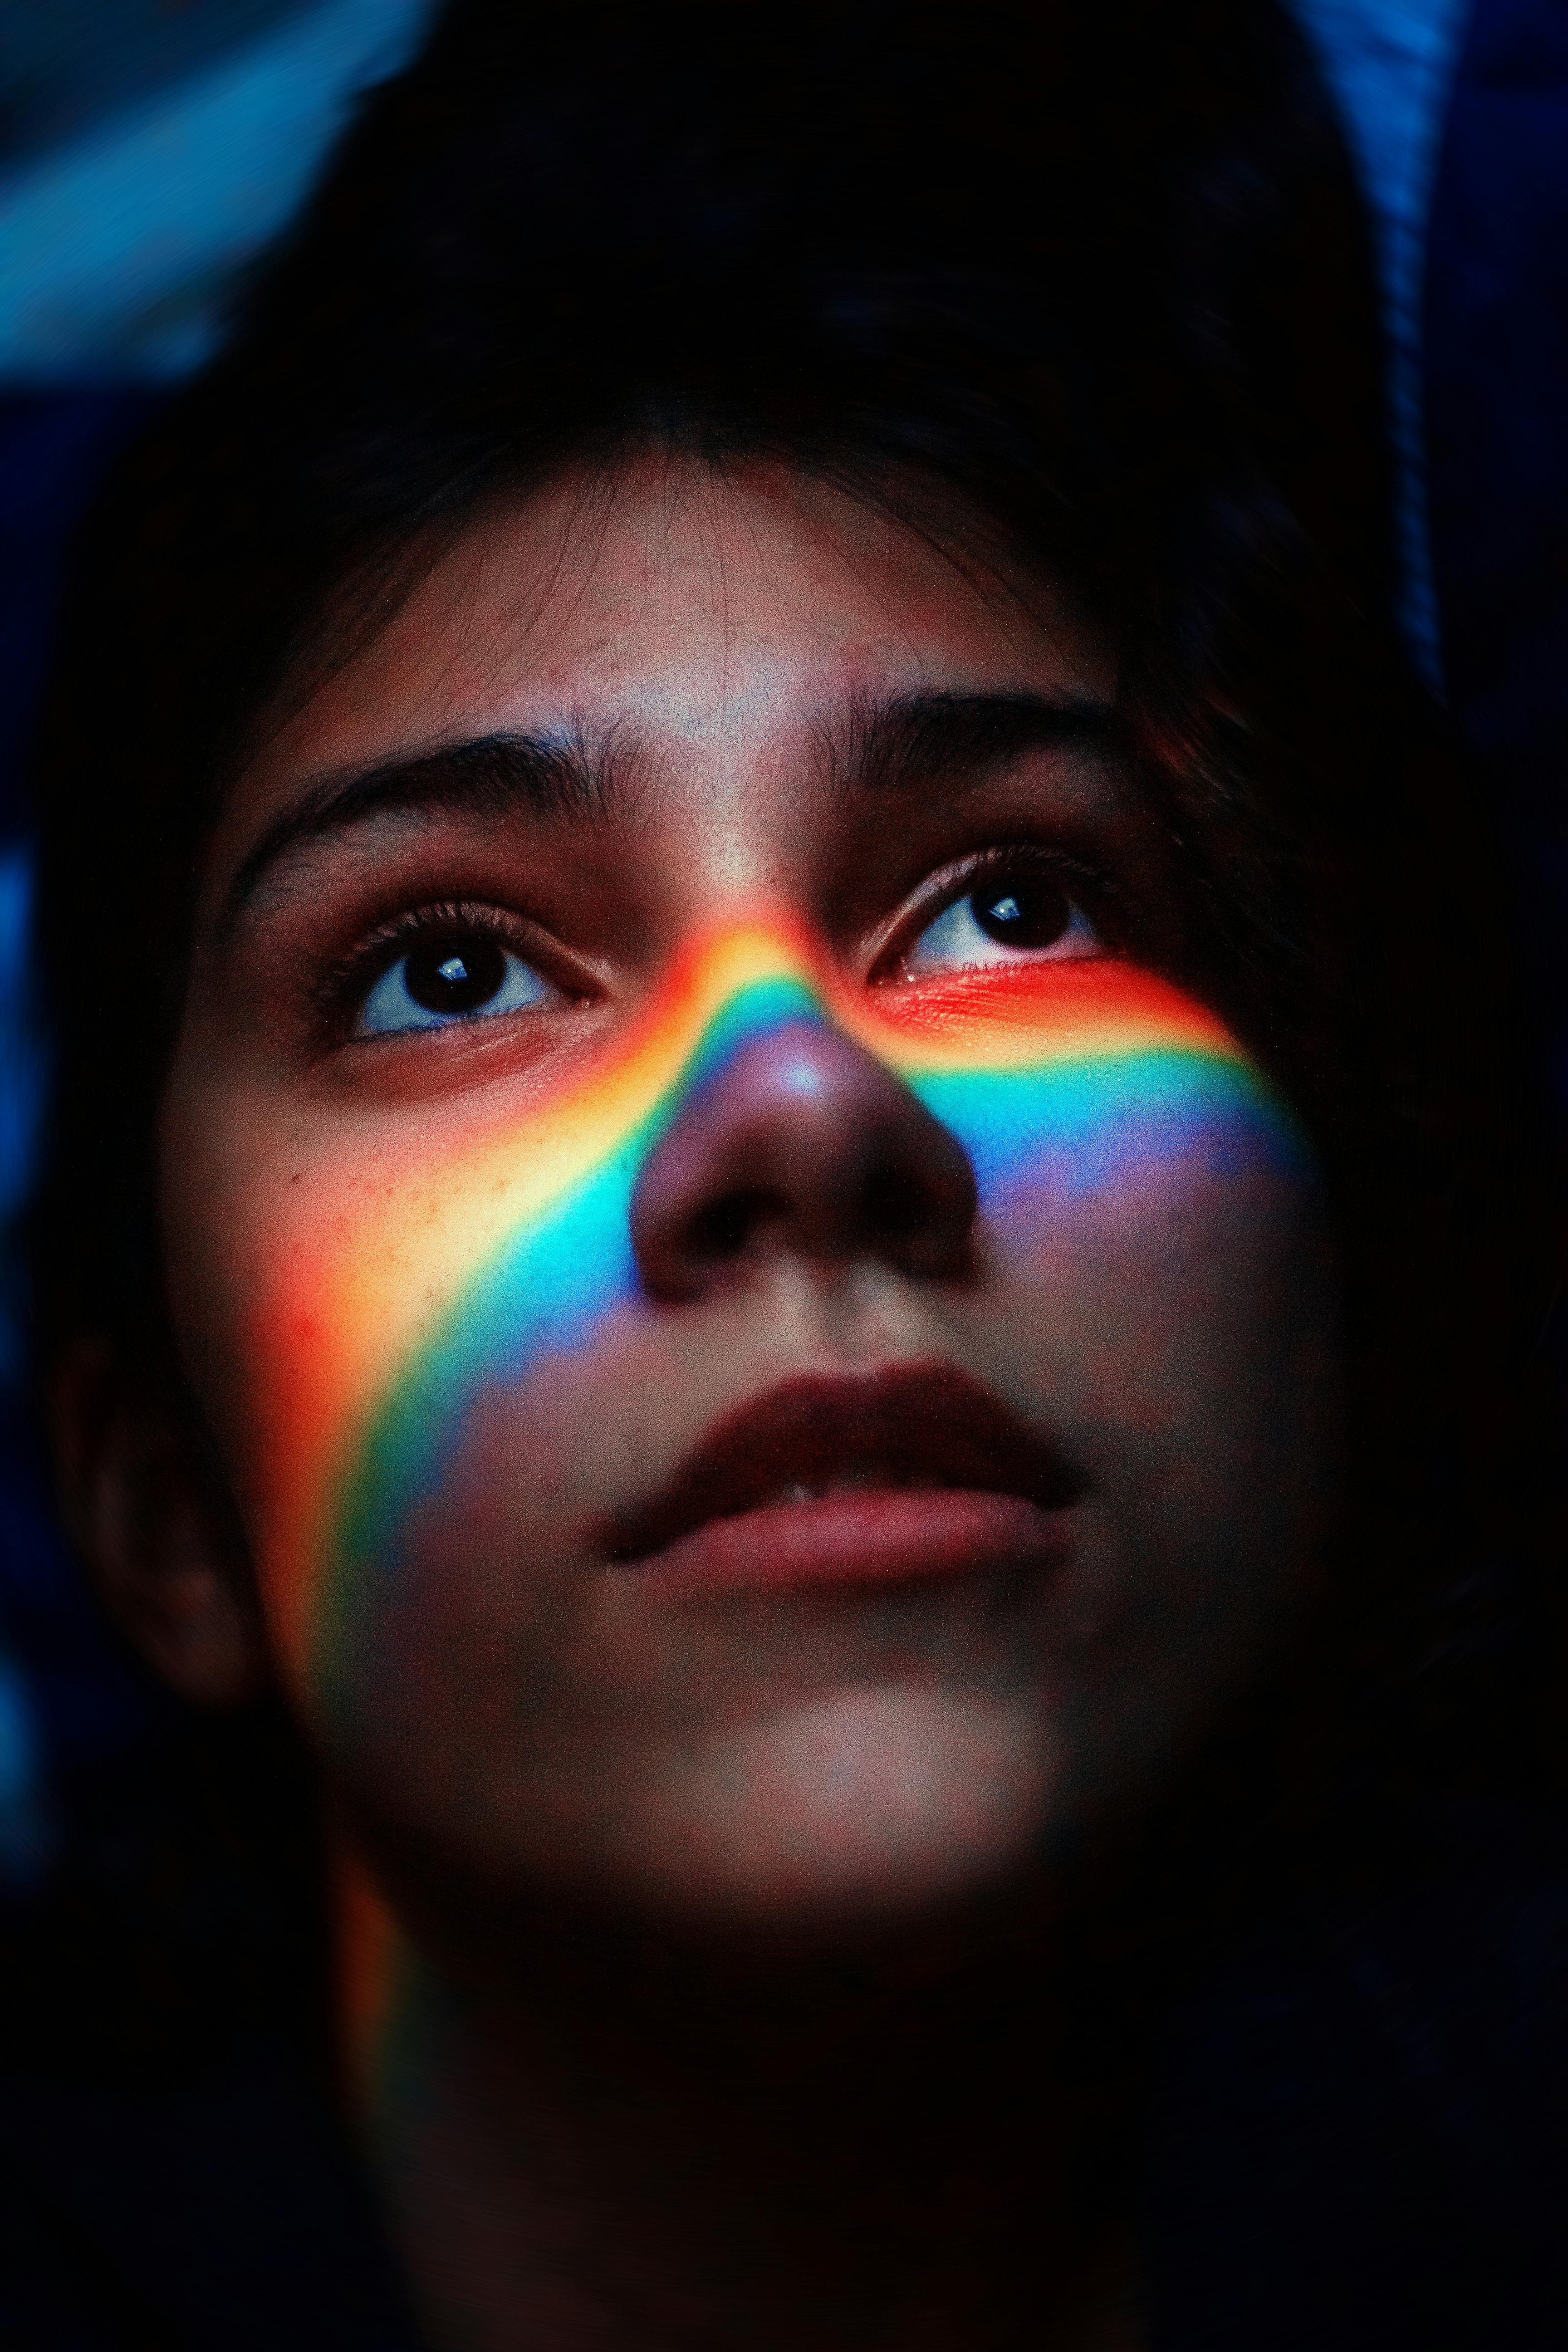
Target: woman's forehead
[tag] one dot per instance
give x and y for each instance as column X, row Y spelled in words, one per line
column 699, row 621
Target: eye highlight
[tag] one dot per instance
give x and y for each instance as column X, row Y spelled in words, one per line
column 458, row 976
column 1020, row 911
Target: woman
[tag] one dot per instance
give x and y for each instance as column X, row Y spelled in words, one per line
column 797, row 1027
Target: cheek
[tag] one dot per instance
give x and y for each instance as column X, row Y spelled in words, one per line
column 1164, row 1190
column 356, row 1386
column 306, row 1271
column 1164, row 1288
column 1151, row 1207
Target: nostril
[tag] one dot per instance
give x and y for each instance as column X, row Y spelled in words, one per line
column 921, row 1218
column 723, row 1227
column 893, row 1206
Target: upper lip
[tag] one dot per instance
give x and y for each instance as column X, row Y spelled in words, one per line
column 917, row 1425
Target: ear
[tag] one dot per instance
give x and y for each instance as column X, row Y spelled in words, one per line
column 144, row 1501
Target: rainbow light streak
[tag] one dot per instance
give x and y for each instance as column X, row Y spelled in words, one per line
column 1058, row 1078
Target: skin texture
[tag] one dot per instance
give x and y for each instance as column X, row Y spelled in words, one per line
column 794, row 1149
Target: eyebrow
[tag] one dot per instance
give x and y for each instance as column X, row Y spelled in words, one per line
column 919, row 739
column 484, row 775
column 903, row 743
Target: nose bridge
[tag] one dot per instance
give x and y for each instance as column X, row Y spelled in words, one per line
column 787, row 1134
column 746, row 982
column 789, row 997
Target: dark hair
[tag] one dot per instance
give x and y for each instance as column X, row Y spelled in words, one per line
column 1100, row 272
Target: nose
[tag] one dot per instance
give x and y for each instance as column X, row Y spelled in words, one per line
column 802, row 1142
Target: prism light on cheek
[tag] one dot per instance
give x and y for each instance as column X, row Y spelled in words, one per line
column 381, row 1335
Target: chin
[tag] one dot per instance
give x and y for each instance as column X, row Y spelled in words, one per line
column 865, row 1807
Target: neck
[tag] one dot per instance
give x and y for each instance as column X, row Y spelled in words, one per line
column 617, row 2142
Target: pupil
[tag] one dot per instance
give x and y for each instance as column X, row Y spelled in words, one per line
column 1022, row 914
column 456, row 979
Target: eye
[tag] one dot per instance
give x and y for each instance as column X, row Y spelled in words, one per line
column 454, row 977
column 1018, row 913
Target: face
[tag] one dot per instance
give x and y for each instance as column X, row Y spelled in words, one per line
column 774, row 1365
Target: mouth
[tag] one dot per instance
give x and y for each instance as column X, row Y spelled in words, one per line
column 893, row 1477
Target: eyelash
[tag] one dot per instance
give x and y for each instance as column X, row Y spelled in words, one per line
column 343, row 988
column 1086, row 885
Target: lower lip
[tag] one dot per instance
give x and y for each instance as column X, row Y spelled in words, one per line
column 900, row 1536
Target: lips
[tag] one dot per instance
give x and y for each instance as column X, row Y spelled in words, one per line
column 904, row 1474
